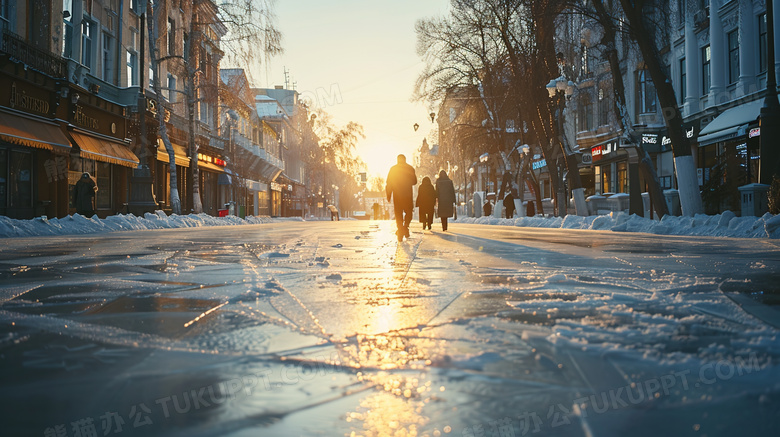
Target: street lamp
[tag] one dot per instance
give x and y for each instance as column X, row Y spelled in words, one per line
column 416, row 126
column 559, row 91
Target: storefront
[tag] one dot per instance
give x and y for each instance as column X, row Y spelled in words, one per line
column 213, row 194
column 97, row 131
column 162, row 173
column 728, row 157
column 34, row 150
column 610, row 168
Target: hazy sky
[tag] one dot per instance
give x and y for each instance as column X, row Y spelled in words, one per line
column 359, row 57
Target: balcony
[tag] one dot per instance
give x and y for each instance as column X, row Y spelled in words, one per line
column 19, row 50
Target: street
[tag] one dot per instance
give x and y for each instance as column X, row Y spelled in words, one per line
column 335, row 328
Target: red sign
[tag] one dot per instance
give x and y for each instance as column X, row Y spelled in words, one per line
column 219, row 162
column 754, row 132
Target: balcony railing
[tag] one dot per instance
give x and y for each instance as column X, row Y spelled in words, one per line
column 19, row 50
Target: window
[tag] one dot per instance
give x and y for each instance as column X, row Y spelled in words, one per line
column 603, row 108
column 108, row 58
column 171, row 88
column 762, row 50
column 151, row 77
column 134, row 6
column 586, row 114
column 683, row 81
column 733, row 56
column 646, row 96
column 171, row 37
column 132, row 68
column 681, row 12
column 67, row 25
column 705, row 69
column 87, row 27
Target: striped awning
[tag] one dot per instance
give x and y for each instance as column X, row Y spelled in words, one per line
column 104, row 150
column 25, row 131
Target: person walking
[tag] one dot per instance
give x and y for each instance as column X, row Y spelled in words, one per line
column 509, row 203
column 445, row 194
column 400, row 180
column 426, row 200
column 84, row 195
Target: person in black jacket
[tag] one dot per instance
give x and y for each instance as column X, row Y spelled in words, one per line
column 400, row 181
column 84, row 195
column 426, row 200
column 445, row 194
column 509, row 203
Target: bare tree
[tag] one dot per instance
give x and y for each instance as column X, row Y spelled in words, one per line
column 608, row 14
column 640, row 15
column 154, row 11
column 245, row 29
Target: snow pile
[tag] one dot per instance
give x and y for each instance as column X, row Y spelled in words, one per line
column 721, row 225
column 78, row 224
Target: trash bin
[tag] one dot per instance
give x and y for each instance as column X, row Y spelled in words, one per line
column 242, row 211
column 222, row 212
column 755, row 201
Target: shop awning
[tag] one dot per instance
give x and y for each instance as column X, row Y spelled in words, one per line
column 104, row 150
column 727, row 125
column 224, row 179
column 179, row 151
column 33, row 133
column 211, row 167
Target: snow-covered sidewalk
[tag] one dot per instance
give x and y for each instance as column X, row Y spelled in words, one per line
column 721, row 225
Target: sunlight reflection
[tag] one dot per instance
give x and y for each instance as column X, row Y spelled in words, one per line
column 392, row 355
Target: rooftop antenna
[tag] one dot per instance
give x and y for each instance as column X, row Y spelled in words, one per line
column 286, row 78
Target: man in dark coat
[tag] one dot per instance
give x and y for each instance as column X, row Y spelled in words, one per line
column 400, row 181
column 426, row 200
column 509, row 203
column 445, row 194
column 84, row 195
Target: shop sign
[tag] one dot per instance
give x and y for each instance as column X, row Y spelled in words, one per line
column 587, row 158
column 21, row 100
column 649, row 139
column 211, row 159
column 276, row 186
column 755, row 132
column 601, row 151
column 536, row 165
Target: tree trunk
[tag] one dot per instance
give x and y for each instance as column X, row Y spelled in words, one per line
column 646, row 167
column 197, row 204
column 152, row 15
column 687, row 181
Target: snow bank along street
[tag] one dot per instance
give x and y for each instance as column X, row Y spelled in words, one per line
column 334, row 328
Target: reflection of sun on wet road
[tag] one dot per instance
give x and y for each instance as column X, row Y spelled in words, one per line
column 388, row 348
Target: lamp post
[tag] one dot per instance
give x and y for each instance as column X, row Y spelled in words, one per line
column 559, row 91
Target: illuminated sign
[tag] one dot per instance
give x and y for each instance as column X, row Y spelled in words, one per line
column 755, row 132
column 536, row 165
column 649, row 139
column 211, row 159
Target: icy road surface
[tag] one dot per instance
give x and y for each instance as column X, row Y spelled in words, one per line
column 334, row 328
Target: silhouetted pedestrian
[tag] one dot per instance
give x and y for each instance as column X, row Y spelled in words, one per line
column 426, row 200
column 400, row 181
column 84, row 195
column 509, row 203
column 445, row 194
column 487, row 209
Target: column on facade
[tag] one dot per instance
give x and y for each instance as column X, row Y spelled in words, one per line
column 776, row 17
column 717, row 57
column 692, row 65
column 747, row 49
column 78, row 16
